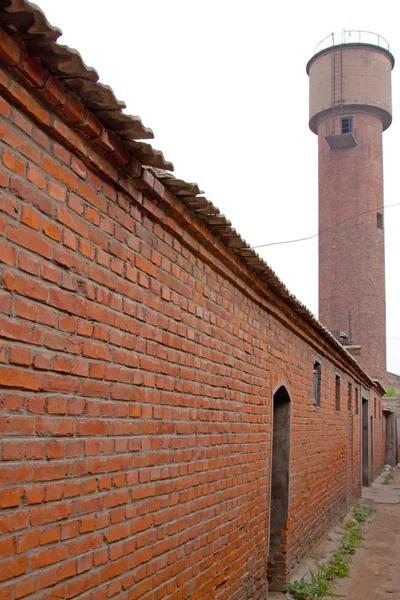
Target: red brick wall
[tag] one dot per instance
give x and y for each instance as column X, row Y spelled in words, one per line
column 136, row 376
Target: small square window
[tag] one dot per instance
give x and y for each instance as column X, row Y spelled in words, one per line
column 317, row 383
column 379, row 220
column 337, row 393
column 347, row 124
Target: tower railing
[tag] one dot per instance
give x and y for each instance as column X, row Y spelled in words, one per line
column 353, row 36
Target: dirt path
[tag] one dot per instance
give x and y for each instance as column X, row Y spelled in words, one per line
column 375, row 569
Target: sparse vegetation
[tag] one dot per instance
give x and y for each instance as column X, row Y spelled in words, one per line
column 361, row 514
column 319, row 587
column 387, row 478
column 391, row 391
column 321, row 583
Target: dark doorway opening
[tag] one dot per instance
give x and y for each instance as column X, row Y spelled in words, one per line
column 365, row 444
column 372, row 449
column 279, row 499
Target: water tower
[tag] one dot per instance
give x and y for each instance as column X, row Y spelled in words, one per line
column 350, row 107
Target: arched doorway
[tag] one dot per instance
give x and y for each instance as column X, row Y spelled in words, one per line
column 279, row 497
column 372, row 449
column 365, row 444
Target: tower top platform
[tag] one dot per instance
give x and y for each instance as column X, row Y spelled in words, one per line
column 353, row 76
column 351, row 37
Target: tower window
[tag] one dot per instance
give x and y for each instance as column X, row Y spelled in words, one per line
column 356, row 392
column 317, row 383
column 347, row 124
column 379, row 220
column 350, row 398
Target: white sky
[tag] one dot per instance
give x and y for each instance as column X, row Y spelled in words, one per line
column 223, row 85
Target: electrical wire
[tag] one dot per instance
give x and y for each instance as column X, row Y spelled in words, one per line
column 311, row 237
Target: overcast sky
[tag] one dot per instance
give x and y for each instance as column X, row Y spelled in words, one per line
column 223, row 85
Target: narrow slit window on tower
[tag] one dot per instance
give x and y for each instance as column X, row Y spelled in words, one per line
column 356, row 400
column 379, row 220
column 337, row 390
column 347, row 124
column 350, row 397
column 317, row 383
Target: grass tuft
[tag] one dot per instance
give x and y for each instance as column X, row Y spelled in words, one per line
column 387, row 478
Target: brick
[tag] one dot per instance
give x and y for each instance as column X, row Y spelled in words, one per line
column 28, row 264
column 12, row 162
column 19, row 521
column 44, row 558
column 93, row 350
column 56, row 427
column 21, row 356
column 31, row 218
column 25, row 309
column 9, row 49
column 52, row 231
column 7, row 546
column 29, row 193
column 11, row 136
column 54, row 91
column 8, row 206
column 7, row 254
column 61, row 173
column 12, row 567
column 35, row 494
column 58, row 192
column 49, row 513
column 10, row 497
column 28, row 540
column 30, row 240
column 73, row 109
column 25, row 286
column 13, row 402
column 11, row 377
column 24, row 587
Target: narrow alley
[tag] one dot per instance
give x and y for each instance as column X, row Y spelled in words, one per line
column 374, row 569
column 375, row 572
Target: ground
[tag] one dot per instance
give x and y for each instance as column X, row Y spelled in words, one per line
column 375, row 569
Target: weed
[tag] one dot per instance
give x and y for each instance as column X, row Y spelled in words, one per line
column 321, row 584
column 391, row 391
column 319, row 587
column 361, row 514
column 387, row 478
column 338, row 567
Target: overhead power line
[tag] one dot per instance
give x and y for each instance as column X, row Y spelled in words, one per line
column 311, row 237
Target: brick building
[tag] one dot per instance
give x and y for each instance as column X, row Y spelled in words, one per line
column 174, row 423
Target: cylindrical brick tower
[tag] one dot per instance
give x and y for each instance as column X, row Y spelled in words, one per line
column 350, row 107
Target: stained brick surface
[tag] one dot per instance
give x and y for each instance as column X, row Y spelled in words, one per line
column 351, row 255
column 137, row 372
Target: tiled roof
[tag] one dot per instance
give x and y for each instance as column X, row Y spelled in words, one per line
column 26, row 22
